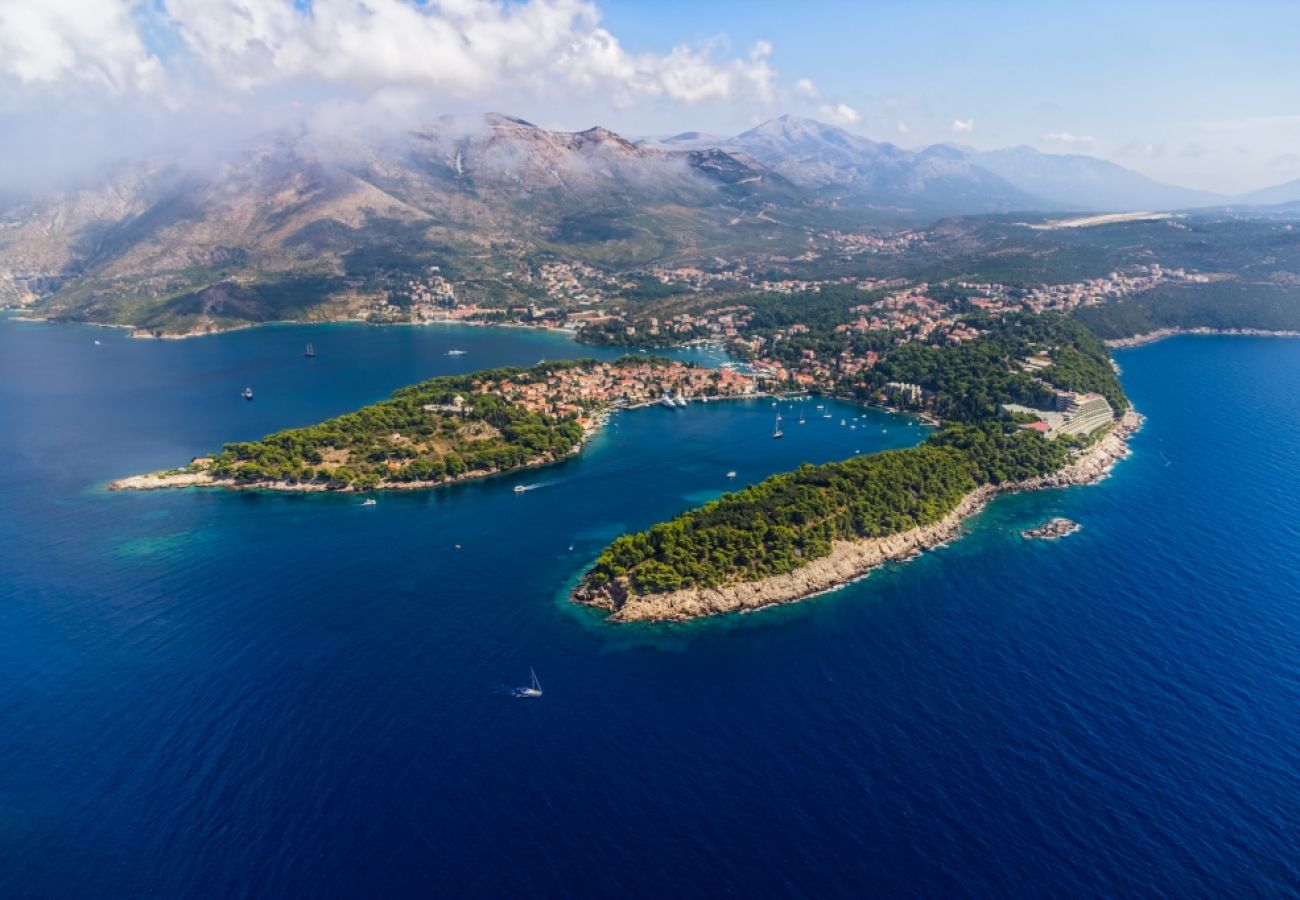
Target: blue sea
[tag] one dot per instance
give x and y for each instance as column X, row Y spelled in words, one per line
column 241, row 694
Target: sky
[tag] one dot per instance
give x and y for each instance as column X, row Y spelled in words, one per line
column 1194, row 93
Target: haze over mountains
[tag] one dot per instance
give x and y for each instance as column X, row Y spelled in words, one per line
column 499, row 188
column 946, row 179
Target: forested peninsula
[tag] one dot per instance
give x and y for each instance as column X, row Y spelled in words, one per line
column 803, row 532
column 450, row 428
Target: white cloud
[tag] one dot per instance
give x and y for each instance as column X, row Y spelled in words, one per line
column 804, row 87
column 840, row 114
column 81, row 43
column 902, row 128
column 465, row 48
column 454, row 49
column 963, row 126
column 1067, row 139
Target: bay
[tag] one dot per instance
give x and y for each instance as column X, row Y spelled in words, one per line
column 211, row 693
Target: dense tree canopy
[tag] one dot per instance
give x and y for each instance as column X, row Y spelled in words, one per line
column 788, row 520
column 413, row 436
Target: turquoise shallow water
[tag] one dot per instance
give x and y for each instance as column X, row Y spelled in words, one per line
column 208, row 693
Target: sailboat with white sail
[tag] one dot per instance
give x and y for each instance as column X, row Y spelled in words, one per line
column 534, row 688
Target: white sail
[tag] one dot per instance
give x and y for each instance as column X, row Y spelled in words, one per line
column 534, row 688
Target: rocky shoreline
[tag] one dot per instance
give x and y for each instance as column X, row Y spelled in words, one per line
column 848, row 560
column 1139, row 340
column 181, row 478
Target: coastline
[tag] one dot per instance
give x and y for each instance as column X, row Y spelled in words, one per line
column 142, row 334
column 1151, row 337
column 848, row 561
column 177, row 478
column 165, row 479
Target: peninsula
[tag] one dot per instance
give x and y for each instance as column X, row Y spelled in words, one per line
column 452, row 428
column 1014, row 419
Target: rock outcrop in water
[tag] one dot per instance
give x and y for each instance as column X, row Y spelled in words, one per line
column 848, row 560
column 1051, row 530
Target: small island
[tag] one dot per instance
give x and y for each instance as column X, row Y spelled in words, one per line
column 1051, row 530
column 452, row 428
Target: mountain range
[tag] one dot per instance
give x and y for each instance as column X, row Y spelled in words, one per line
column 294, row 216
column 946, row 179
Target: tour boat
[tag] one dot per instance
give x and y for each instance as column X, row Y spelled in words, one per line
column 681, row 401
column 248, row 393
column 534, row 688
column 369, row 501
column 311, row 351
column 457, row 352
column 731, row 474
column 667, row 401
column 777, row 432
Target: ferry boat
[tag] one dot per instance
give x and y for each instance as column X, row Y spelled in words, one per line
column 248, row 393
column 534, row 688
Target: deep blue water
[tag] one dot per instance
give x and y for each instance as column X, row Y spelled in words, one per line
column 207, row 693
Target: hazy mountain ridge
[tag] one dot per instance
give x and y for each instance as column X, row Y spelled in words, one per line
column 289, row 208
column 948, row 179
column 1088, row 183
column 295, row 221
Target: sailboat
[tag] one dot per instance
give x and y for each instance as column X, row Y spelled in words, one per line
column 777, row 432
column 311, row 351
column 801, row 415
column 534, row 688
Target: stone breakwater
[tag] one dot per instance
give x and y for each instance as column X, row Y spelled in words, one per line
column 1151, row 337
column 848, row 560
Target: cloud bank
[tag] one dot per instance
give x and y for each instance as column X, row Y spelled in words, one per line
column 463, row 49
